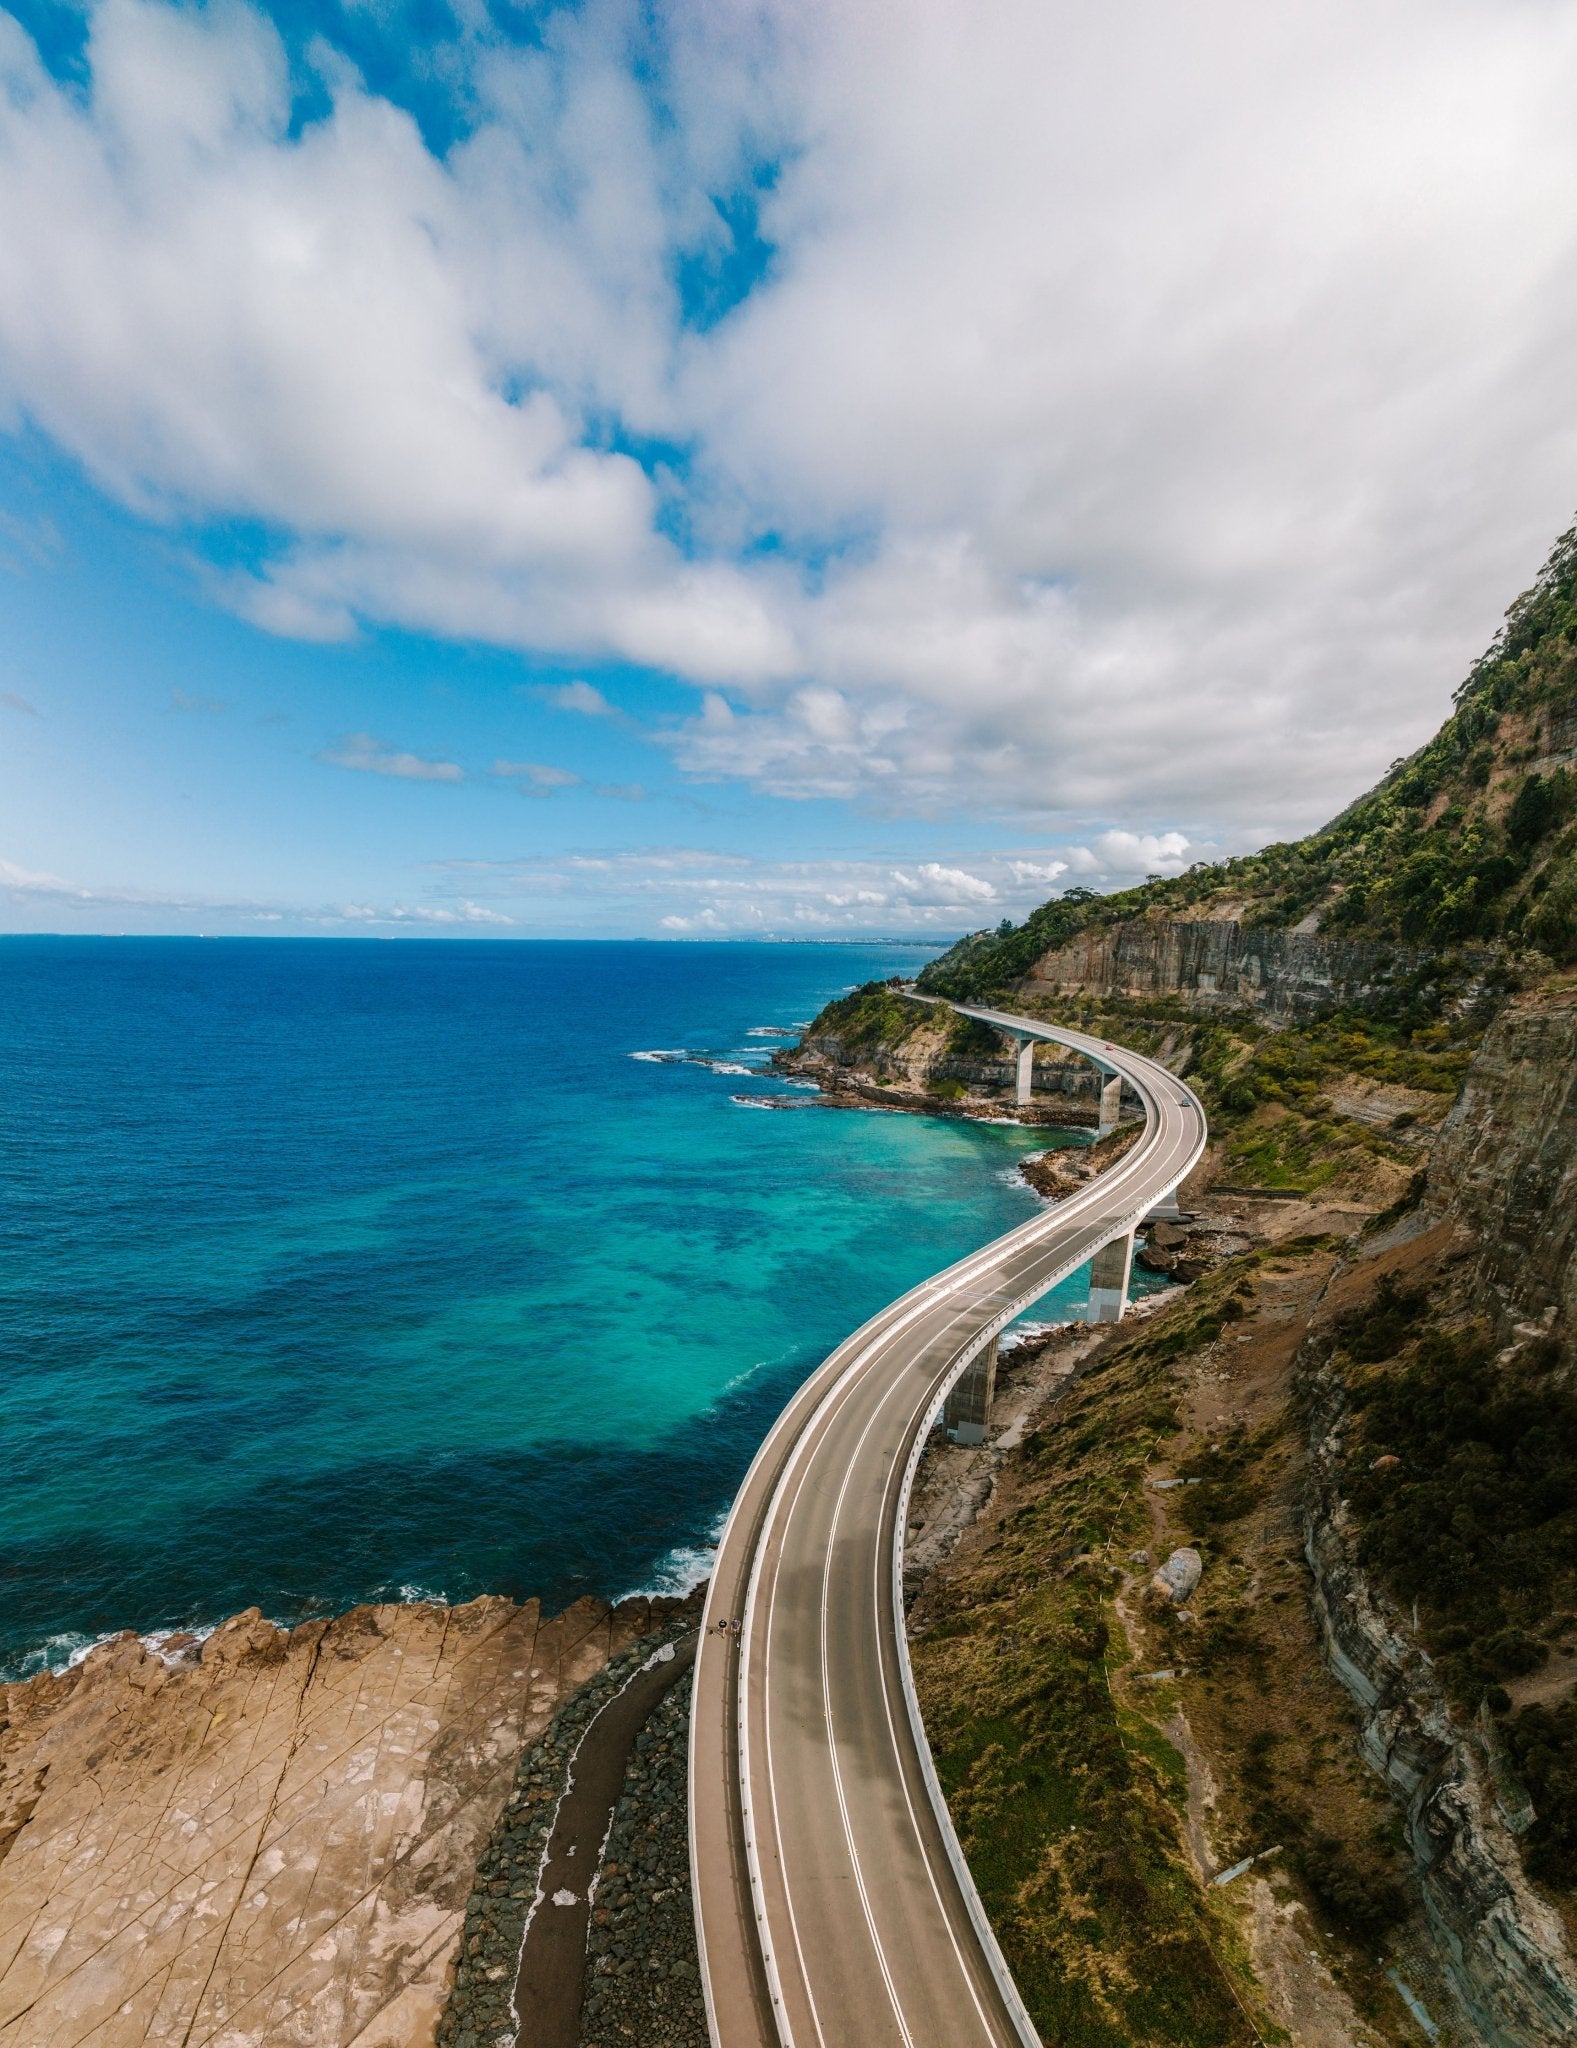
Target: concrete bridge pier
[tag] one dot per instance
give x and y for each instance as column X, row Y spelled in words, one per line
column 968, row 1406
column 1109, row 1280
column 1026, row 1071
column 1111, row 1106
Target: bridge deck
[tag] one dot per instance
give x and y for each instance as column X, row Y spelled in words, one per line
column 831, row 1900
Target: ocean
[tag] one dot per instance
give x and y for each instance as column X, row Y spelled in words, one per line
column 335, row 1271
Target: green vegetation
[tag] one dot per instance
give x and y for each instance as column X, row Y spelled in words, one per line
column 1058, row 1757
column 1294, row 1781
column 870, row 1016
column 1543, row 1746
column 1068, row 1805
column 1477, row 1522
column 967, row 1037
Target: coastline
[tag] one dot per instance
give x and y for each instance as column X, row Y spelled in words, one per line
column 275, row 1832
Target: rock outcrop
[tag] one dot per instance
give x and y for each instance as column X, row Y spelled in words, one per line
column 268, row 1840
column 903, row 1072
column 1505, row 1164
column 1501, row 1944
column 1217, row 964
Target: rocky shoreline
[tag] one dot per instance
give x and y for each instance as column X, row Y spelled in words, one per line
column 271, row 1836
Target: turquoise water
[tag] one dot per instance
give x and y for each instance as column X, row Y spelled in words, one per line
column 333, row 1271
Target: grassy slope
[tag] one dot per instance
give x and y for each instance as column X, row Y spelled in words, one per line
column 1062, row 1766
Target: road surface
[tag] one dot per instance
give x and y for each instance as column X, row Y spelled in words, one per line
column 833, row 1905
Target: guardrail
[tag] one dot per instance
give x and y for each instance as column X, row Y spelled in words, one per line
column 920, row 1298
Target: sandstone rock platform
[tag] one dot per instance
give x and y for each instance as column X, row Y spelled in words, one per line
column 270, row 1837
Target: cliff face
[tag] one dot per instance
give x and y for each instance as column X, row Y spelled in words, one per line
column 1217, row 964
column 1505, row 1164
column 1500, row 1943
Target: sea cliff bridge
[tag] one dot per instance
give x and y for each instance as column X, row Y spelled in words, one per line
column 833, row 1903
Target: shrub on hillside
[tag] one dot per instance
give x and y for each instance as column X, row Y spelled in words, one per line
column 1477, row 1521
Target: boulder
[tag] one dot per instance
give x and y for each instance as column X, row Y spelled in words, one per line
column 1178, row 1577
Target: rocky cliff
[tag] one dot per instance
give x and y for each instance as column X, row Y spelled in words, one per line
column 1218, row 964
column 1501, row 1943
column 1505, row 1165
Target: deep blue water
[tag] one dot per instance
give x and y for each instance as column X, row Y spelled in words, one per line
column 333, row 1271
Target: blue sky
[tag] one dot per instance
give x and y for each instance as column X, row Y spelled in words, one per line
column 749, row 467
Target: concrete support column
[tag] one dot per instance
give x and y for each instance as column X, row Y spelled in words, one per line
column 1026, row 1070
column 1109, row 1280
column 1111, row 1106
column 968, row 1406
column 1166, row 1210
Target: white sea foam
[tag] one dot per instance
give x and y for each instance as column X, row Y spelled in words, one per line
column 725, row 1067
column 683, row 1568
column 753, row 1101
column 64, row 1652
column 157, row 1645
column 773, row 1030
column 56, row 1653
column 664, row 1055
column 1031, row 1333
column 414, row 1595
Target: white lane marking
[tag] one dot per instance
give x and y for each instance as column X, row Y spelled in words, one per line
column 769, row 1959
column 990, row 1948
column 766, row 1729
column 892, row 1733
column 892, row 1736
column 1178, row 1100
column 817, row 1428
column 802, row 1456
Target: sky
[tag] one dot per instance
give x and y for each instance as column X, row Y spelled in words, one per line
column 751, row 466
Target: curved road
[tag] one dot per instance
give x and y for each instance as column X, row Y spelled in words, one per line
column 832, row 1903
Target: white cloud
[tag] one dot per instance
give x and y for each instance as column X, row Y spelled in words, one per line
column 1164, row 402
column 70, row 905
column 465, row 913
column 33, row 882
column 1142, row 853
column 933, row 883
column 359, row 750
column 691, row 889
column 576, row 696
column 535, row 778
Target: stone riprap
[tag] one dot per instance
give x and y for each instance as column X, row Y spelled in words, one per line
column 268, row 1838
column 478, row 2013
column 643, row 1979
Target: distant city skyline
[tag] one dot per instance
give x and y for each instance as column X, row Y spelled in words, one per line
column 700, row 471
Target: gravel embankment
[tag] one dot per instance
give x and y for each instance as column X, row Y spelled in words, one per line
column 478, row 2012
column 643, row 1981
